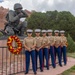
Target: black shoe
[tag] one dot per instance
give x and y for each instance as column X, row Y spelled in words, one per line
column 26, row 72
column 41, row 70
column 54, row 66
column 47, row 68
column 60, row 65
column 35, row 73
column 64, row 64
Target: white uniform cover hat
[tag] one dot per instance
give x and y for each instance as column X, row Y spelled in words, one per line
column 29, row 30
column 37, row 30
column 62, row 31
column 56, row 31
column 43, row 31
column 49, row 30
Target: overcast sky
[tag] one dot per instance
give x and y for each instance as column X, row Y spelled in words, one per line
column 43, row 5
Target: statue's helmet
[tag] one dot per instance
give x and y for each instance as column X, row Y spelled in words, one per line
column 17, row 6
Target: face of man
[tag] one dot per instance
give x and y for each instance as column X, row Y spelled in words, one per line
column 29, row 34
column 62, row 34
column 37, row 33
column 44, row 33
column 49, row 33
column 56, row 34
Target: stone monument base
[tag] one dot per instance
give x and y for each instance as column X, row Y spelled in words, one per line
column 3, row 47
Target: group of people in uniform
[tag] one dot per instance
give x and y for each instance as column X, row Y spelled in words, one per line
column 44, row 47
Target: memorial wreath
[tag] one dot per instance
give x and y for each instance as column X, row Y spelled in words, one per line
column 11, row 48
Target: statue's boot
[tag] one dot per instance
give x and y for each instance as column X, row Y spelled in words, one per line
column 3, row 32
column 22, row 32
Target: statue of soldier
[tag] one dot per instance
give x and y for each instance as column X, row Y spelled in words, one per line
column 14, row 26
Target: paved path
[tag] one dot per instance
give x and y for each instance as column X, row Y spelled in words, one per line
column 56, row 71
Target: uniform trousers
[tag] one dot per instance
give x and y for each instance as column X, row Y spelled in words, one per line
column 52, row 56
column 58, row 52
column 63, row 54
column 40, row 55
column 32, row 53
column 46, row 55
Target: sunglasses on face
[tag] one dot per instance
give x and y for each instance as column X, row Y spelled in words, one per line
column 49, row 32
column 29, row 32
column 62, row 33
column 37, row 32
column 43, row 33
column 56, row 32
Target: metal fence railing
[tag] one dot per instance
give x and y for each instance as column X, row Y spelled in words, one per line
column 12, row 64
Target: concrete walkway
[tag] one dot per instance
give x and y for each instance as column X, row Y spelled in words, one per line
column 56, row 71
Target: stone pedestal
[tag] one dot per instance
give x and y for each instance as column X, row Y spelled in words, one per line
column 7, row 59
column 4, row 50
column 3, row 44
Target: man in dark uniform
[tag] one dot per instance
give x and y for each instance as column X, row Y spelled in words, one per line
column 63, row 46
column 51, row 47
column 13, row 17
column 57, row 47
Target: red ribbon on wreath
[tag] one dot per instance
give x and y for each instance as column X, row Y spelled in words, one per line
column 11, row 48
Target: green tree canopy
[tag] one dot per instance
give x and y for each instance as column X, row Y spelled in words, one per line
column 53, row 20
column 71, row 44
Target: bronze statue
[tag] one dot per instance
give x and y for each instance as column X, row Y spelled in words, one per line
column 13, row 25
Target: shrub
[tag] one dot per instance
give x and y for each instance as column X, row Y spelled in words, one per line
column 71, row 44
column 1, row 34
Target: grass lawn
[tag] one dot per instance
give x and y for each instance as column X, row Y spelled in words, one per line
column 70, row 71
column 71, row 55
